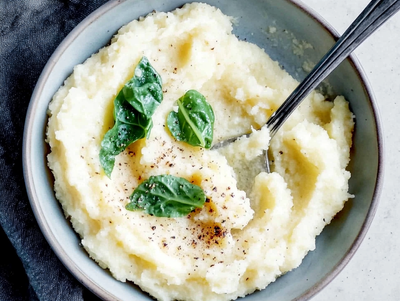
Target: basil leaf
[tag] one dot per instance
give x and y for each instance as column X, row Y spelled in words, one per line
column 144, row 90
column 194, row 121
column 129, row 127
column 132, row 124
column 166, row 196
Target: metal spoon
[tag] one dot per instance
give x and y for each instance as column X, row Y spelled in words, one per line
column 370, row 19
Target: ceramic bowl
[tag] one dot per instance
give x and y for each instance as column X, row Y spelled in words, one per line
column 274, row 26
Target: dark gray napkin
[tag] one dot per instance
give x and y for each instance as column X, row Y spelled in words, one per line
column 30, row 31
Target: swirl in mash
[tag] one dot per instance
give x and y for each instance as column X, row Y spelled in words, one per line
column 255, row 226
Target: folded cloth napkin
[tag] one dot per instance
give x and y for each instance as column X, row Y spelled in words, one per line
column 30, row 31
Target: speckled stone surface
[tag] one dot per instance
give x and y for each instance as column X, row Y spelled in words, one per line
column 373, row 273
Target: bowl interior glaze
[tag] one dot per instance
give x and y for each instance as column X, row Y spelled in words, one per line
column 272, row 25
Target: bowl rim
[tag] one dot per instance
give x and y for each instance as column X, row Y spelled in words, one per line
column 352, row 58
column 46, row 229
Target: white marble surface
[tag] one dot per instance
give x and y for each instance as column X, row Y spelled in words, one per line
column 373, row 273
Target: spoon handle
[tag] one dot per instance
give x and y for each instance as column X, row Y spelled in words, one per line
column 372, row 17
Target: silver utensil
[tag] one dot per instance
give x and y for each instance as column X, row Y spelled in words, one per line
column 370, row 19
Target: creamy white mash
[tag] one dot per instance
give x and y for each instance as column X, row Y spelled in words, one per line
column 256, row 226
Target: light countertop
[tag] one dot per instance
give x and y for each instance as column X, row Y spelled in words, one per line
column 373, row 273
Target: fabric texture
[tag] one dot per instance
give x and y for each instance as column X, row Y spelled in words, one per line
column 30, row 31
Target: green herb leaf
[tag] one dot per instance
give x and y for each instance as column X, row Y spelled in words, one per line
column 144, row 90
column 132, row 124
column 129, row 127
column 194, row 121
column 166, row 196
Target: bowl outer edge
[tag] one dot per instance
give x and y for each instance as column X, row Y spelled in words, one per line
column 32, row 195
column 380, row 171
column 27, row 145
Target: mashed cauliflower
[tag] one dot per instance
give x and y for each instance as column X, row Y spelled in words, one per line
column 255, row 226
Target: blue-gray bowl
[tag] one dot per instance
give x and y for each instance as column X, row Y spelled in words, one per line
column 337, row 243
